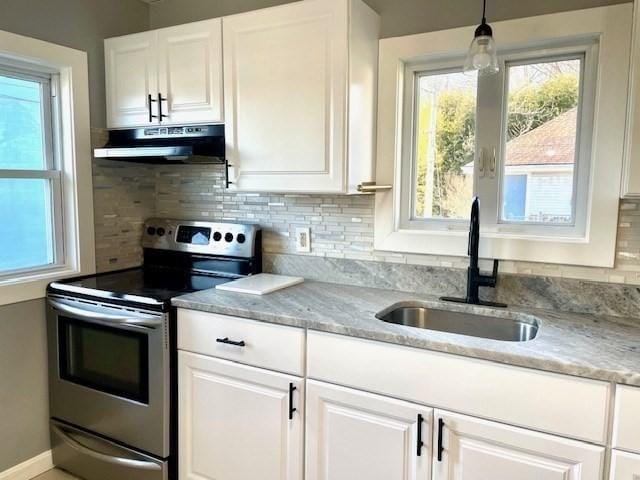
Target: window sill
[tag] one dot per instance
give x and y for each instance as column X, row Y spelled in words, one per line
column 32, row 287
column 560, row 250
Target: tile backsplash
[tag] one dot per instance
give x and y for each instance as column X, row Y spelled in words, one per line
column 341, row 226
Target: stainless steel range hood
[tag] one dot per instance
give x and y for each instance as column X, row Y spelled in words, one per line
column 188, row 144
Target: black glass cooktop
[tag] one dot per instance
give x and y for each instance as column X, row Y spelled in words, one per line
column 146, row 286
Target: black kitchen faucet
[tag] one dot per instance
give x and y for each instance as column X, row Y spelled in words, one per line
column 475, row 279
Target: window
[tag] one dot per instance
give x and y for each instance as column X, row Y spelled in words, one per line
column 445, row 128
column 540, row 143
column 518, row 149
column 30, row 178
column 46, row 194
column 543, row 99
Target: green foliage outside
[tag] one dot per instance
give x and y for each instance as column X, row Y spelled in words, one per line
column 529, row 107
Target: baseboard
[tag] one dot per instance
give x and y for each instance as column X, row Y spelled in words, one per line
column 29, row 468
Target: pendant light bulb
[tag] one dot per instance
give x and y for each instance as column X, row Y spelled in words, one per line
column 482, row 56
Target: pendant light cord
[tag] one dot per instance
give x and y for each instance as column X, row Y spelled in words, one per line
column 484, row 11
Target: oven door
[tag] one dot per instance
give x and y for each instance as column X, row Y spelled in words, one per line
column 109, row 371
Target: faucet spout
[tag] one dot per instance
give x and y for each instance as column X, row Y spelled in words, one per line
column 474, row 233
column 475, row 279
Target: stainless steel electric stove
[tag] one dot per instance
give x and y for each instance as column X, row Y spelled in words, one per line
column 112, row 349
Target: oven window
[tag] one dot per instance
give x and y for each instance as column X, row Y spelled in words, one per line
column 107, row 359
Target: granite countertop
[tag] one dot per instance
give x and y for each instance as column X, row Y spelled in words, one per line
column 585, row 345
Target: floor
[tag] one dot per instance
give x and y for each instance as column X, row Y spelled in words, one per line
column 54, row 474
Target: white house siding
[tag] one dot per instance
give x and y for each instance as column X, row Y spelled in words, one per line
column 549, row 194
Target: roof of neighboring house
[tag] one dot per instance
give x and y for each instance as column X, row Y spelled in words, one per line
column 552, row 143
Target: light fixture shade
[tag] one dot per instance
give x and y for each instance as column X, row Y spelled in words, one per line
column 482, row 56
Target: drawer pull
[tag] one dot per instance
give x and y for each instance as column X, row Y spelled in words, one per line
column 292, row 388
column 226, row 341
column 419, row 442
column 440, row 433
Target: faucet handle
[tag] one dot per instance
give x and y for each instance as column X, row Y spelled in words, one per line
column 495, row 269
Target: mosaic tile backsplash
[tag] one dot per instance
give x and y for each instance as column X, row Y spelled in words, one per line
column 341, row 226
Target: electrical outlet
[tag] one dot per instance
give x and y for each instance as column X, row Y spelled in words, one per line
column 303, row 239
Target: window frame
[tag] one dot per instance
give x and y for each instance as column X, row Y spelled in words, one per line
column 51, row 169
column 611, row 26
column 71, row 144
column 585, row 49
column 413, row 73
column 494, row 91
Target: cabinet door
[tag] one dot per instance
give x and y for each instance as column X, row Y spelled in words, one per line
column 626, row 424
column 190, row 72
column 131, row 76
column 358, row 435
column 234, row 421
column 475, row 449
column 624, row 466
column 285, row 75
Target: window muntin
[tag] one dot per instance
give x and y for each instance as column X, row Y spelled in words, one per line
column 444, row 150
column 541, row 147
column 30, row 179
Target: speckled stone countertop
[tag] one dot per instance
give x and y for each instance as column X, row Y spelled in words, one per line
column 591, row 346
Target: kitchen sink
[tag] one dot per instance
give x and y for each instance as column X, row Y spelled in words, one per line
column 483, row 326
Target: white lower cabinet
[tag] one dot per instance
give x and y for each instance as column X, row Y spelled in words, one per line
column 237, row 422
column 473, row 449
column 357, row 435
column 624, row 466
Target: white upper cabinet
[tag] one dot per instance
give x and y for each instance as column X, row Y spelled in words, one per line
column 131, row 76
column 300, row 82
column 190, row 72
column 175, row 72
column 466, row 448
column 631, row 178
column 358, row 435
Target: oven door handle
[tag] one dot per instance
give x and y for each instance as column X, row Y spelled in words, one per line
column 96, row 316
column 124, row 462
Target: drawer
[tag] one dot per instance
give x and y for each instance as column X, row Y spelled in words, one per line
column 626, row 424
column 559, row 404
column 265, row 345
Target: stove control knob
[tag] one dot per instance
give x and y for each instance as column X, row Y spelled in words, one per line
column 160, row 231
column 151, row 230
column 217, row 236
column 228, row 237
column 241, row 238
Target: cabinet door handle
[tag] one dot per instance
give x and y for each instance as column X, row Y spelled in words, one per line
column 151, row 115
column 420, row 443
column 160, row 100
column 227, row 182
column 440, row 433
column 292, row 409
column 231, row 342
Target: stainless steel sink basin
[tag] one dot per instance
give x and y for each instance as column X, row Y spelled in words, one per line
column 484, row 326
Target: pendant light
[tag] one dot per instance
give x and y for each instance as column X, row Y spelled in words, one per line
column 482, row 54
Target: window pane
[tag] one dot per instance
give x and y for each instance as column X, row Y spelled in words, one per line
column 25, row 215
column 21, row 125
column 445, row 145
column 540, row 154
